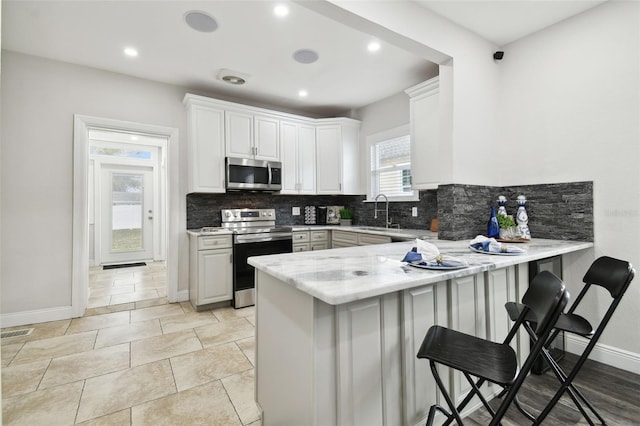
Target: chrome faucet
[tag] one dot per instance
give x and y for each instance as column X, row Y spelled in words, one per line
column 386, row 210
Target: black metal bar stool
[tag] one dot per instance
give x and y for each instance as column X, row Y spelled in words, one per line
column 544, row 300
column 615, row 276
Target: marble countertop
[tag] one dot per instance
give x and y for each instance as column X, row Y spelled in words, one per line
column 343, row 275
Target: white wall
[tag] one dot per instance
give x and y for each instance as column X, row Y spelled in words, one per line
column 570, row 110
column 39, row 100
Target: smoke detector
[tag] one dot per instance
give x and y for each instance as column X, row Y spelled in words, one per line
column 232, row 77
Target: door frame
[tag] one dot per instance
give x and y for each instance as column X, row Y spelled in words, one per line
column 80, row 259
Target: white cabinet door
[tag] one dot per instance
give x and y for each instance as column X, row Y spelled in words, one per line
column 214, row 276
column 239, row 134
column 267, row 139
column 329, row 159
column 289, row 157
column 205, row 147
column 422, row 307
column 369, row 354
column 306, row 159
column 337, row 157
column 425, row 120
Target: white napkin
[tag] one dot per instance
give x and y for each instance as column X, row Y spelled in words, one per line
column 491, row 245
column 429, row 253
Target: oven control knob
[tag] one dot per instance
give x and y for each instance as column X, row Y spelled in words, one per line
column 227, row 213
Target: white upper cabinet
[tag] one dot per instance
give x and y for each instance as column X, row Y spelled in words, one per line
column 425, row 134
column 298, row 156
column 205, row 145
column 337, row 156
column 250, row 135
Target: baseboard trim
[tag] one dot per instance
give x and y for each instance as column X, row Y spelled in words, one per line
column 182, row 296
column 615, row 357
column 36, row 316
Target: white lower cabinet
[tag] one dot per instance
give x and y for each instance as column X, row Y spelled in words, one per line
column 310, row 240
column 352, row 239
column 210, row 270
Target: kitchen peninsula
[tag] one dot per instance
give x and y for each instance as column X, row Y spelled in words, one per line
column 337, row 330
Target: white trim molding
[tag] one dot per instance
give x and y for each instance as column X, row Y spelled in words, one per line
column 615, row 357
column 37, row 316
column 80, row 274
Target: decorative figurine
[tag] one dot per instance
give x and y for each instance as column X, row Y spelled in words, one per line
column 502, row 202
column 522, row 219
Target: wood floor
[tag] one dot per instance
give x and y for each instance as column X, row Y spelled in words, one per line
column 614, row 393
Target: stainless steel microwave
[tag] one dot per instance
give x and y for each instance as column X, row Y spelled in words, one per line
column 253, row 175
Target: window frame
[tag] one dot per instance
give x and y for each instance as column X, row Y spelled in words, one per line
column 382, row 136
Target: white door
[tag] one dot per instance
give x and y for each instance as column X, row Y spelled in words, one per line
column 126, row 209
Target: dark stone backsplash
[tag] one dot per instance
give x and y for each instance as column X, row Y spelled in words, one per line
column 562, row 211
column 204, row 209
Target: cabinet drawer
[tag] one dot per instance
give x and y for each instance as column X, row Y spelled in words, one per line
column 366, row 239
column 300, row 237
column 345, row 237
column 300, row 247
column 322, row 245
column 214, row 241
column 319, row 235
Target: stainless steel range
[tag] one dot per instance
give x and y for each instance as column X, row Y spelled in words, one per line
column 254, row 234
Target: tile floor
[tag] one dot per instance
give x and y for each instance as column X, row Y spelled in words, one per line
column 143, row 362
column 126, row 285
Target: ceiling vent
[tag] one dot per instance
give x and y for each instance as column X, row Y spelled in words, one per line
column 232, row 77
column 200, row 21
column 305, row 56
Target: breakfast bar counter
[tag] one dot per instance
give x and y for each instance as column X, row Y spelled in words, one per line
column 337, row 331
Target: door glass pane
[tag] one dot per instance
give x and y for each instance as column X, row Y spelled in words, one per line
column 126, row 196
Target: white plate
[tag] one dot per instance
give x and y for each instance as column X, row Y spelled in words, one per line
column 491, row 252
column 436, row 266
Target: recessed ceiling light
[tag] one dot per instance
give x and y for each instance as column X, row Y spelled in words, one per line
column 374, row 46
column 305, row 56
column 200, row 21
column 232, row 77
column 131, row 52
column 303, row 93
column 281, row 10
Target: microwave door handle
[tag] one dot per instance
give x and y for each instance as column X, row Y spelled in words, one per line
column 269, row 171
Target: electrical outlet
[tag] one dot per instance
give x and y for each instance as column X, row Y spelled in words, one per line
column 295, row 211
column 414, row 211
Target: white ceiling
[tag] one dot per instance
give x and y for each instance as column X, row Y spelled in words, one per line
column 254, row 42
column 505, row 21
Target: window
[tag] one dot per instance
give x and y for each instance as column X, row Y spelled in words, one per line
column 390, row 154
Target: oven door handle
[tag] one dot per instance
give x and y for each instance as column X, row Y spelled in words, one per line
column 244, row 239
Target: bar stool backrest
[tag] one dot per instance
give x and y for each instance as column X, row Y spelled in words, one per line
column 613, row 274
column 545, row 293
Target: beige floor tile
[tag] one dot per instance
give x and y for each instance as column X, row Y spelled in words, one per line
column 55, row 406
column 256, row 423
column 123, row 389
column 144, row 285
column 84, row 365
column 22, row 378
column 55, row 347
column 118, row 418
column 96, row 302
column 248, row 348
column 152, row 302
column 197, row 368
column 154, row 312
column 162, row 292
column 162, row 347
column 99, row 285
column 108, row 309
column 203, row 405
column 124, row 281
column 240, row 388
column 134, row 296
column 128, row 333
column 9, row 351
column 110, row 290
column 187, row 307
column 223, row 332
column 40, row 331
column 96, row 322
column 187, row 321
column 229, row 313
